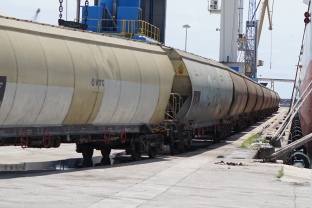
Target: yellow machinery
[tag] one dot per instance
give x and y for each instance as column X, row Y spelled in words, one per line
column 265, row 7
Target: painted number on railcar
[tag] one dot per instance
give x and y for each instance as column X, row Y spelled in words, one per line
column 97, row 82
column 2, row 88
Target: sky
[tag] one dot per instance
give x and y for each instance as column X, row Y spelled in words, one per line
column 279, row 48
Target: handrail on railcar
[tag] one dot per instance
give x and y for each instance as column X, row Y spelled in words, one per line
column 127, row 28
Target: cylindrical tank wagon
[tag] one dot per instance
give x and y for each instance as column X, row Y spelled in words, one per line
column 216, row 99
column 101, row 92
column 62, row 80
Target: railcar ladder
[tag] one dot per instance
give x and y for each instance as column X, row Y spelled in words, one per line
column 173, row 107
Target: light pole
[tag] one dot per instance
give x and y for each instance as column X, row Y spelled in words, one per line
column 186, row 26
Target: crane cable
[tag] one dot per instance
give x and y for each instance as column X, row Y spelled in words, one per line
column 293, row 96
column 256, row 10
column 271, row 37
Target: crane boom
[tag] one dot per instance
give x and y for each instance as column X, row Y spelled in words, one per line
column 265, row 7
column 269, row 16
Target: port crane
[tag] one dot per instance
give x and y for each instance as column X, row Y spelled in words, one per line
column 232, row 39
column 253, row 34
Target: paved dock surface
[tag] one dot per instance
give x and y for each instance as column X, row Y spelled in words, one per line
column 214, row 176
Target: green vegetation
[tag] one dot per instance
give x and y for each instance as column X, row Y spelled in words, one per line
column 254, row 138
column 280, row 172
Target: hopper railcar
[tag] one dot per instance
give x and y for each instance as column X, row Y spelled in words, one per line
column 101, row 92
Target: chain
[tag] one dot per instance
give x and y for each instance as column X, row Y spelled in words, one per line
column 86, row 12
column 61, row 9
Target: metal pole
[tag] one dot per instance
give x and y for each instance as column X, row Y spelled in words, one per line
column 151, row 13
column 186, row 26
column 240, row 16
column 185, row 38
column 66, row 9
column 78, row 11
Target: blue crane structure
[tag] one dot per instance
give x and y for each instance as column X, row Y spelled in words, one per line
column 251, row 41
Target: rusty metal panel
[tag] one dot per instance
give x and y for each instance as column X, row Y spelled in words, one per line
column 212, row 91
column 260, row 97
column 278, row 100
column 252, row 96
column 267, row 98
column 273, row 100
column 276, row 104
column 240, row 95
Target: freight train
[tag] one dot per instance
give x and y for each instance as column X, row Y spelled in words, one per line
column 101, row 92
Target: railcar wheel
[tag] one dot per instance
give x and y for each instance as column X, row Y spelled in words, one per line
column 299, row 159
column 105, row 152
column 87, row 153
column 216, row 140
column 302, row 149
column 128, row 151
column 87, row 163
column 188, row 143
column 105, row 161
column 152, row 152
column 174, row 149
column 57, row 142
column 135, row 152
column 182, row 148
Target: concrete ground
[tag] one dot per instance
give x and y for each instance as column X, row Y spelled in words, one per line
column 214, row 176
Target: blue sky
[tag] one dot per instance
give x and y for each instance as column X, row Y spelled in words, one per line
column 280, row 55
